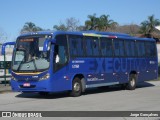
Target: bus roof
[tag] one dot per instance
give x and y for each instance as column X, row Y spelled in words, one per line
column 88, row 33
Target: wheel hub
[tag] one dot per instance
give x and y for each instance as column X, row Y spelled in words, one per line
column 132, row 82
column 76, row 87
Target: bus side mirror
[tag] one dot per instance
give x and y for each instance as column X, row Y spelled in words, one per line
column 46, row 44
column 4, row 46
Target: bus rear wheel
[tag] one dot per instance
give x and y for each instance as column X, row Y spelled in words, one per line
column 76, row 87
column 131, row 85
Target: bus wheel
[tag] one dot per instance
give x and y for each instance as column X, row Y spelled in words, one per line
column 76, row 87
column 131, row 85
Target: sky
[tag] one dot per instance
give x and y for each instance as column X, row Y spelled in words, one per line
column 47, row 13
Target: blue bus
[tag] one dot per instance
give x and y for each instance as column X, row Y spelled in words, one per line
column 45, row 62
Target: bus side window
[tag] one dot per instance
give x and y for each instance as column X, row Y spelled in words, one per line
column 106, row 47
column 92, row 46
column 76, row 46
column 151, row 49
column 95, row 47
column 88, row 43
column 141, row 49
column 119, row 48
column 130, row 48
column 61, row 57
column 60, row 52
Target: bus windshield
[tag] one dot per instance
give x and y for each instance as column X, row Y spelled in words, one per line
column 29, row 55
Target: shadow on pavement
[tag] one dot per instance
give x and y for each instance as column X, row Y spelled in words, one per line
column 88, row 92
column 38, row 96
column 144, row 84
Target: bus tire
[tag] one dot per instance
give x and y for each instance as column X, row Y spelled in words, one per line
column 131, row 85
column 76, row 87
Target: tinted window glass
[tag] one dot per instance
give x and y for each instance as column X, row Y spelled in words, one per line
column 140, row 49
column 106, row 47
column 76, row 46
column 130, row 48
column 88, row 42
column 151, row 49
column 95, row 47
column 119, row 48
column 60, row 52
column 92, row 46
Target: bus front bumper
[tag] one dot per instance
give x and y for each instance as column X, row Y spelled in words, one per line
column 30, row 86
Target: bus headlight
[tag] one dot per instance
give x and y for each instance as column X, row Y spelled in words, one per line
column 45, row 77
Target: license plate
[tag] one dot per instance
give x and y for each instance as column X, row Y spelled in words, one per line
column 26, row 85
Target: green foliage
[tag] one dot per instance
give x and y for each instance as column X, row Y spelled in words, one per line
column 101, row 23
column 60, row 27
column 30, row 27
column 92, row 23
column 148, row 26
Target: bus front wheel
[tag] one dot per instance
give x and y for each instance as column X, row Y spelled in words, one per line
column 131, row 85
column 76, row 87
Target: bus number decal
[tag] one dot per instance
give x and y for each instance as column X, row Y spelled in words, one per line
column 75, row 66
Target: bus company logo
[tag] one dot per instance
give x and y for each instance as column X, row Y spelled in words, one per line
column 6, row 114
column 111, row 65
column 28, row 66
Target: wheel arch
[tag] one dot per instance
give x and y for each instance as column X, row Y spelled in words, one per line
column 82, row 79
column 133, row 72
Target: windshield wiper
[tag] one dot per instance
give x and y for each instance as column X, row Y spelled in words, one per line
column 33, row 60
column 34, row 64
column 20, row 64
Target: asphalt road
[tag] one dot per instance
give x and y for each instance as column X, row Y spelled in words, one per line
column 146, row 97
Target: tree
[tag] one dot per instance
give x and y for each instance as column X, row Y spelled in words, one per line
column 30, row 27
column 92, row 23
column 105, row 23
column 101, row 23
column 60, row 27
column 148, row 26
column 71, row 24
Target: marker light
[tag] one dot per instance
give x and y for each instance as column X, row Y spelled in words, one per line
column 112, row 36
